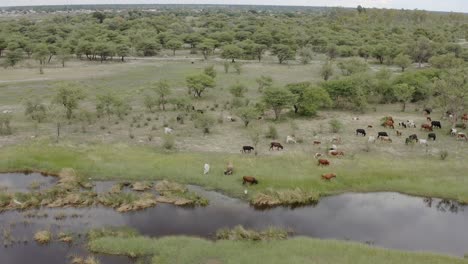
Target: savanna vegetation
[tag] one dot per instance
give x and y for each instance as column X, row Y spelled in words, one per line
column 139, row 95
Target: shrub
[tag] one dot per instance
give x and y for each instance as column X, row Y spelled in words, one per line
column 238, row 68
column 443, row 154
column 272, row 132
column 168, row 142
column 43, row 237
column 204, row 122
column 335, row 126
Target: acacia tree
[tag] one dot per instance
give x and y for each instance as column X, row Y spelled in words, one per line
column 174, row 44
column 35, row 109
column 68, row 96
column 247, row 114
column 283, row 52
column 278, row 99
column 41, row 53
column 403, row 61
column 403, row 93
column 264, row 82
column 163, row 90
column 232, row 52
column 308, row 98
column 327, row 70
column 198, row 83
column 452, row 90
column 238, row 90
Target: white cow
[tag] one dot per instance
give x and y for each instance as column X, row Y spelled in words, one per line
column 453, row 132
column 333, row 147
column 423, row 141
column 7, row 111
column 317, row 155
column 206, row 168
column 371, row 139
column 290, row 139
column 168, row 130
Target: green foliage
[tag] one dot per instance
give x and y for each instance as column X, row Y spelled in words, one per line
column 5, row 120
column 238, row 89
column 237, row 68
column 278, row 99
column 283, row 52
column 403, row 93
column 335, row 125
column 264, row 82
column 239, row 233
column 41, row 53
column 308, row 98
column 327, row 70
column 306, row 54
column 446, row 61
column 148, row 47
column 403, row 61
column 272, row 132
column 13, row 57
column 109, row 104
column 198, row 83
column 68, row 95
column 174, row 45
column 232, row 52
column 247, row 114
column 352, row 66
column 204, row 122
column 350, row 92
column 163, row 90
column 168, row 142
column 36, row 110
column 210, row 71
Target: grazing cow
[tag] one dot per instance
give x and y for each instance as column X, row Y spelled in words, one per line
column 436, row 124
column 431, row 136
column 428, row 119
column 247, row 149
column 389, row 123
column 398, row 133
column 276, row 145
column 453, row 132
column 355, row 118
column 386, row 139
column 323, row 162
column 426, row 127
column 318, row 155
column 206, row 168
column 200, row 111
column 249, row 179
column 328, row 176
column 333, row 147
column 464, row 118
column 168, row 130
column 427, row 111
column 335, row 153
column 461, row 136
column 360, row 131
column 230, row 118
column 382, row 134
column 413, row 137
column 402, row 124
column 371, row 139
column 290, row 139
column 316, row 142
column 369, row 126
column 229, row 169
column 423, row 141
column 7, row 112
column 410, row 123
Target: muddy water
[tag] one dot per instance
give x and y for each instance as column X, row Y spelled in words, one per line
column 384, row 219
column 14, row 182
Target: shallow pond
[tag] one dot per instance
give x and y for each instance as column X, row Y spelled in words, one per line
column 15, row 182
column 388, row 220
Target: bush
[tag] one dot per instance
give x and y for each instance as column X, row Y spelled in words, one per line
column 335, row 126
column 272, row 132
column 443, row 154
column 168, row 142
column 238, row 68
column 204, row 122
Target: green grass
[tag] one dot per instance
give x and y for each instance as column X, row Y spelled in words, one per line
column 360, row 173
column 297, row 250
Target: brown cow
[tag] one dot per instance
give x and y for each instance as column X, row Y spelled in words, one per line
column 389, row 123
column 328, row 176
column 464, row 118
column 426, row 127
column 276, row 145
column 323, row 162
column 385, row 139
column 316, row 142
column 249, row 179
column 336, row 153
column 369, row 126
column 398, row 133
column 461, row 136
column 429, row 119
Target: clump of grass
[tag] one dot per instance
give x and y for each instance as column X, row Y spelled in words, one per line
column 125, row 202
column 34, row 185
column 88, row 260
column 239, row 233
column 335, row 125
column 178, row 194
column 122, row 232
column 272, row 132
column 43, row 237
column 142, row 186
column 64, row 237
column 444, row 154
column 168, row 142
column 296, row 197
column 5, row 199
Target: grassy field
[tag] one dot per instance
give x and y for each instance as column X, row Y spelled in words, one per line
column 297, row 250
column 365, row 172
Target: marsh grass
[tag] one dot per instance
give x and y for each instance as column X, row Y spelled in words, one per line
column 296, row 197
column 43, row 237
column 239, row 233
column 298, row 250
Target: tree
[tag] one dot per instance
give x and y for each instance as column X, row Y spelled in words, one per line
column 308, row 98
column 403, row 61
column 421, row 50
column 106, row 105
column 104, row 50
column 207, row 47
column 238, row 68
column 122, row 50
column 238, row 90
column 446, row 61
column 150, row 102
column 174, row 44
column 198, row 83
column 13, row 57
column 452, row 91
column 41, row 53
column 264, row 82
column 203, row 121
column 99, row 16
column 148, row 47
column 68, row 96
column 64, row 54
column 278, row 99
column 380, row 52
column 283, row 52
column 3, row 44
column 403, row 93
column 306, row 54
column 327, row 70
column 247, row 114
column 163, row 90
column 210, row 71
column 352, row 66
column 232, row 52
column 35, row 109
column 332, row 51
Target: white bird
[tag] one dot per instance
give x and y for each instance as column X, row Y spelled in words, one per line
column 245, row 191
column 206, row 168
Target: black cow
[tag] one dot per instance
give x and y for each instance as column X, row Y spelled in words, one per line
column 436, row 124
column 428, row 110
column 360, row 131
column 382, row 134
column 431, row 136
column 413, row 137
column 247, row 149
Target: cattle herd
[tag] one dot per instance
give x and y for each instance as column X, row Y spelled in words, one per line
column 382, row 136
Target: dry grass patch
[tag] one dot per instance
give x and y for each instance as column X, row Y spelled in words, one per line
column 240, row 233
column 43, row 237
column 296, row 197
